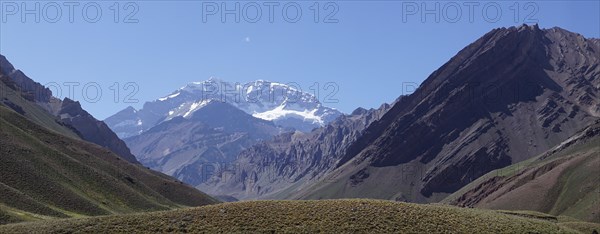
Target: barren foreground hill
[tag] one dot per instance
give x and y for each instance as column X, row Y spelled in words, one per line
column 331, row 216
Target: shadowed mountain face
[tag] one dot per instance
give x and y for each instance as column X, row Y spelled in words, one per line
column 509, row 96
column 33, row 91
column 190, row 149
column 46, row 171
column 91, row 129
column 67, row 111
column 277, row 168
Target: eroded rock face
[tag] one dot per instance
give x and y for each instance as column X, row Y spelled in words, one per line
column 290, row 159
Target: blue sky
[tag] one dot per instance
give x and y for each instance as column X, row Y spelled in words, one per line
column 372, row 51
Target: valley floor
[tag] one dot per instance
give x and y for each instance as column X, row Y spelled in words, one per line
column 328, row 216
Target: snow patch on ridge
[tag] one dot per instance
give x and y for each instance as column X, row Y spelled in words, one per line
column 195, row 106
column 280, row 112
column 186, row 109
column 170, row 96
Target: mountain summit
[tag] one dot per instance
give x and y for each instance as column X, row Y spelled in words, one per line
column 211, row 136
column 283, row 104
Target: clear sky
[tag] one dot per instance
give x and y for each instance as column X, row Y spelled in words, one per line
column 368, row 48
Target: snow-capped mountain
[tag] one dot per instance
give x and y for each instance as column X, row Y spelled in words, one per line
column 283, row 104
column 214, row 135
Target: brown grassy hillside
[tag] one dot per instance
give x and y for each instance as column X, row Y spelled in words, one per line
column 328, row 216
column 44, row 174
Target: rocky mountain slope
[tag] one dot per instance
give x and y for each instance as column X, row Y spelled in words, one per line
column 283, row 104
column 67, row 111
column 190, row 148
column 91, row 129
column 509, row 96
column 49, row 172
column 561, row 181
column 279, row 167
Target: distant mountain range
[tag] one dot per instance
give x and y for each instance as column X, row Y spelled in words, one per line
column 285, row 105
column 213, row 121
column 509, row 96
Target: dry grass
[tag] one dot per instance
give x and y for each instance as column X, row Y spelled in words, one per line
column 326, row 216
